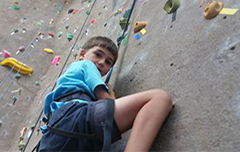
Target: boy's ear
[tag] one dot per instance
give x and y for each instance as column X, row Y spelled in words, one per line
column 82, row 53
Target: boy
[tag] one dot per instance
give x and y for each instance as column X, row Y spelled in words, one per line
column 82, row 84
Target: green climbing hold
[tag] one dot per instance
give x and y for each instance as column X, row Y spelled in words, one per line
column 37, row 83
column 14, row 100
column 21, row 145
column 123, row 23
column 69, row 36
column 66, row 26
column 18, row 76
column 120, row 38
column 127, row 13
column 88, row 12
column 171, row 6
column 124, row 41
column 15, row 6
column 75, row 55
column 60, row 34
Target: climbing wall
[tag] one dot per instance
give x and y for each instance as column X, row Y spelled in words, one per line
column 197, row 62
column 194, row 59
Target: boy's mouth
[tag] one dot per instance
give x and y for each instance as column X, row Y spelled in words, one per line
column 99, row 70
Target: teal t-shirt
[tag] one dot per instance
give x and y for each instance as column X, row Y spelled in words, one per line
column 80, row 75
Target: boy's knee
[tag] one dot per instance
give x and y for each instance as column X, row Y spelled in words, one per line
column 164, row 96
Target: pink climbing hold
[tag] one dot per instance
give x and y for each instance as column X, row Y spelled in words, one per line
column 50, row 34
column 6, row 53
column 21, row 48
column 56, row 60
column 92, row 21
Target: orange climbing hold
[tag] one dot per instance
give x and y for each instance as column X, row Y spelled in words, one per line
column 212, row 9
column 138, row 26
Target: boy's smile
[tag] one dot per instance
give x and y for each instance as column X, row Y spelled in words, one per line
column 101, row 57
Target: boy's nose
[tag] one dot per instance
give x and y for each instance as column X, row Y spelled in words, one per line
column 101, row 63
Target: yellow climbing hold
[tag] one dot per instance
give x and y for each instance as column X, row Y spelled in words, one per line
column 49, row 51
column 17, row 66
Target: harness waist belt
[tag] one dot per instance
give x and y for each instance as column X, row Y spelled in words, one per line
column 79, row 94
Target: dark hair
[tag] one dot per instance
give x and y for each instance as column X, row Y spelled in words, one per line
column 102, row 42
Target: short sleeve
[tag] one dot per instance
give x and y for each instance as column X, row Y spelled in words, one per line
column 92, row 76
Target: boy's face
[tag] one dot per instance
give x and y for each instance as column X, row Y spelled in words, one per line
column 101, row 57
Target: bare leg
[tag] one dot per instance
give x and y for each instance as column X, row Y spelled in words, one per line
column 145, row 112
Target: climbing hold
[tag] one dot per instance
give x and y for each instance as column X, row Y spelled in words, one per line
column 75, row 55
column 201, row 3
column 39, row 24
column 228, row 11
column 138, row 26
column 21, row 48
column 6, row 53
column 137, row 36
column 66, row 26
column 50, row 34
column 14, row 99
column 49, row 51
column 14, row 31
column 1, row 123
column 40, row 34
column 17, row 65
column 23, row 20
column 171, row 6
column 120, row 38
column 19, row 91
column 143, row 31
column 60, row 34
column 124, row 41
column 17, row 76
column 123, row 23
column 117, row 12
column 15, row 7
column 32, row 45
column 88, row 12
column 75, row 30
column 23, row 132
column 92, row 21
column 105, row 7
column 105, row 25
column 15, row 2
column 70, row 11
column 212, row 9
column 56, row 60
column 51, row 21
column 75, row 11
column 69, row 36
column 127, row 13
column 24, row 30
column 37, row 83
column 21, row 145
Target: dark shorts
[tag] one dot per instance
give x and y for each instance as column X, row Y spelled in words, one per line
column 87, row 119
column 99, row 112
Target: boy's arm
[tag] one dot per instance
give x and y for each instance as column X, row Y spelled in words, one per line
column 101, row 93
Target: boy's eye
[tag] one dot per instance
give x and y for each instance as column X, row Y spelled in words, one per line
column 109, row 62
column 98, row 54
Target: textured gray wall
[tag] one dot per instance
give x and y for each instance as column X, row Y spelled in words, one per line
column 197, row 62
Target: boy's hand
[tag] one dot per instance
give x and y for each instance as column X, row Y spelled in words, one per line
column 111, row 91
